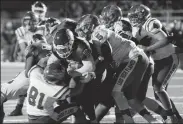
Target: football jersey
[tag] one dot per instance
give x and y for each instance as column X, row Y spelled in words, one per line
column 151, row 28
column 27, row 37
column 39, row 90
column 121, row 49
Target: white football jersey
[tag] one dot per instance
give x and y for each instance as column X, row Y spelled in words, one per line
column 121, row 49
column 152, row 28
column 40, row 92
column 25, row 36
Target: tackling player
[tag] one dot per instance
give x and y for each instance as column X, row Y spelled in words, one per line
column 24, row 36
column 166, row 62
column 47, row 93
column 35, row 53
column 117, row 53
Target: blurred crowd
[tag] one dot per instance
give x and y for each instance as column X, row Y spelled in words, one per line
column 9, row 46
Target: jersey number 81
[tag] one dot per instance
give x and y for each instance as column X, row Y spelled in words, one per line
column 33, row 95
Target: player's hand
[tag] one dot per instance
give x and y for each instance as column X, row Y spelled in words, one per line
column 73, row 66
column 88, row 76
column 20, row 32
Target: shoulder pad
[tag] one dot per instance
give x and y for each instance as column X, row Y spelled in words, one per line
column 100, row 34
column 36, row 69
column 153, row 25
column 31, row 51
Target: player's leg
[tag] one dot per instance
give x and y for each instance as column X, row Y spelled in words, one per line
column 141, row 95
column 2, row 114
column 164, row 70
column 131, row 87
column 104, row 99
column 126, row 77
column 14, row 88
column 86, row 100
column 180, row 119
column 18, row 109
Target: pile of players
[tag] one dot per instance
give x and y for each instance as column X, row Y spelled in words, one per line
column 86, row 67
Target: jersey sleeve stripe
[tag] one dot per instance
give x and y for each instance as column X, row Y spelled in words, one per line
column 59, row 91
column 64, row 94
column 148, row 23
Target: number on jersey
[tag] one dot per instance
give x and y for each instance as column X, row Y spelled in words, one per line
column 33, row 94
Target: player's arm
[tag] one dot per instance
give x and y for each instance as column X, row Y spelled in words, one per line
column 30, row 54
column 87, row 64
column 20, row 33
column 104, row 50
column 155, row 27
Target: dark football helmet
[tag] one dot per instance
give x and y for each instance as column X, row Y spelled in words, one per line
column 63, row 42
column 51, row 25
column 138, row 14
column 86, row 25
column 110, row 14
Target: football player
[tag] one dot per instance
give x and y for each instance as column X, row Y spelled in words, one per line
column 75, row 53
column 111, row 17
column 47, row 94
column 27, row 30
column 24, row 36
column 121, row 57
column 40, row 10
column 36, row 52
column 162, row 52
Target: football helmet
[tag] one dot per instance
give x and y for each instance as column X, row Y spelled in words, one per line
column 30, row 21
column 51, row 24
column 66, row 23
column 86, row 25
column 54, row 73
column 63, row 42
column 40, row 9
column 38, row 38
column 110, row 14
column 138, row 14
column 123, row 28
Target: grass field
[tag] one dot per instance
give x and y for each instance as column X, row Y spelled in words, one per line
column 9, row 70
